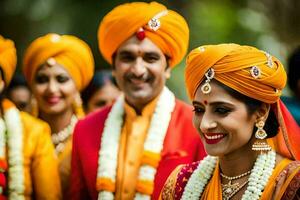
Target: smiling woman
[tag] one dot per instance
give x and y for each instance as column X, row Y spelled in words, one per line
column 239, row 116
column 57, row 68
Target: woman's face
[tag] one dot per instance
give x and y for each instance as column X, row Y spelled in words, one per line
column 54, row 89
column 222, row 121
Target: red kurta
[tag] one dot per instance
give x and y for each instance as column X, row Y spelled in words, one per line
column 182, row 144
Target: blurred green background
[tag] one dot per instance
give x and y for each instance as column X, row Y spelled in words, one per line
column 271, row 25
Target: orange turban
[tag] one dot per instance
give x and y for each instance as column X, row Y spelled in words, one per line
column 8, row 58
column 124, row 21
column 69, row 51
column 233, row 66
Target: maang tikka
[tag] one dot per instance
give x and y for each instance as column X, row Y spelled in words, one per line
column 260, row 144
column 206, row 88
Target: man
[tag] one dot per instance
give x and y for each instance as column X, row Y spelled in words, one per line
column 19, row 93
column 128, row 150
column 28, row 166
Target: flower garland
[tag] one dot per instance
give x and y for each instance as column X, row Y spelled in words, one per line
column 108, row 153
column 14, row 141
column 260, row 174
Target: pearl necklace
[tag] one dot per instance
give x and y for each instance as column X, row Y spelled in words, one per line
column 260, row 174
column 62, row 136
column 230, row 178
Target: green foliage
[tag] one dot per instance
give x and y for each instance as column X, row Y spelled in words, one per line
column 210, row 21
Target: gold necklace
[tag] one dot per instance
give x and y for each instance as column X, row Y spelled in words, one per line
column 229, row 189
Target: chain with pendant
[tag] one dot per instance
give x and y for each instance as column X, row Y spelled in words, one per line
column 230, row 189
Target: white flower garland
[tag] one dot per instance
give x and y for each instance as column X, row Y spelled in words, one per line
column 2, row 139
column 14, row 127
column 260, row 174
column 107, row 161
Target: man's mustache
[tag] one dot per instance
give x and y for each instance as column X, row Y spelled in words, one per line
column 143, row 77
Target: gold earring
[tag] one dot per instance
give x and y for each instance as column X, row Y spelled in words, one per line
column 260, row 144
column 77, row 106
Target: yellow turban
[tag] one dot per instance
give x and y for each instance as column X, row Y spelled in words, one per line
column 124, row 21
column 8, row 58
column 69, row 51
column 245, row 69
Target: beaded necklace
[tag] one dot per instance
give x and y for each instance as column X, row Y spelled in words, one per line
column 260, row 174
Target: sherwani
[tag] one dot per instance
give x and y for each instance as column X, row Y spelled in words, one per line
column 182, row 144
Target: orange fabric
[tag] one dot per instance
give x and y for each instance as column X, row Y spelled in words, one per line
column 232, row 64
column 151, row 158
column 131, row 150
column 69, row 51
column 8, row 58
column 105, row 184
column 144, row 187
column 289, row 136
column 271, row 185
column 125, row 20
column 213, row 190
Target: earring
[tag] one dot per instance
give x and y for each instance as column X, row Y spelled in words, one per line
column 77, row 106
column 260, row 144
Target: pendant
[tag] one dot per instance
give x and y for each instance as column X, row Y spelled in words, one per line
column 229, row 189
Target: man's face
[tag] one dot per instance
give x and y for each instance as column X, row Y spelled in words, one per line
column 21, row 96
column 140, row 71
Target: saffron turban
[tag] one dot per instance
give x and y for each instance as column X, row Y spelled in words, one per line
column 8, row 58
column 245, row 69
column 172, row 35
column 70, row 52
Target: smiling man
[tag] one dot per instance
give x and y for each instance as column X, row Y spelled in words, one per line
column 126, row 151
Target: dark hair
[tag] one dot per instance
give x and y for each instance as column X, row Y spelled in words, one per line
column 294, row 69
column 98, row 81
column 271, row 125
column 18, row 80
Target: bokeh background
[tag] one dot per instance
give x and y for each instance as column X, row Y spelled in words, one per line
column 272, row 25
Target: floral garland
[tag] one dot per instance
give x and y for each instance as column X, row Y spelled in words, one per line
column 13, row 124
column 107, row 161
column 260, row 174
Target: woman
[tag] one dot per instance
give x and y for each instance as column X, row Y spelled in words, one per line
column 101, row 91
column 235, row 91
column 57, row 67
column 28, row 167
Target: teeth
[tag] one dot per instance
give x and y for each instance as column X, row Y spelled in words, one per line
column 213, row 137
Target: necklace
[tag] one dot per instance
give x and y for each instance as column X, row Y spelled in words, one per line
column 259, row 176
column 108, row 153
column 229, row 189
column 226, row 196
column 230, row 178
column 59, row 139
